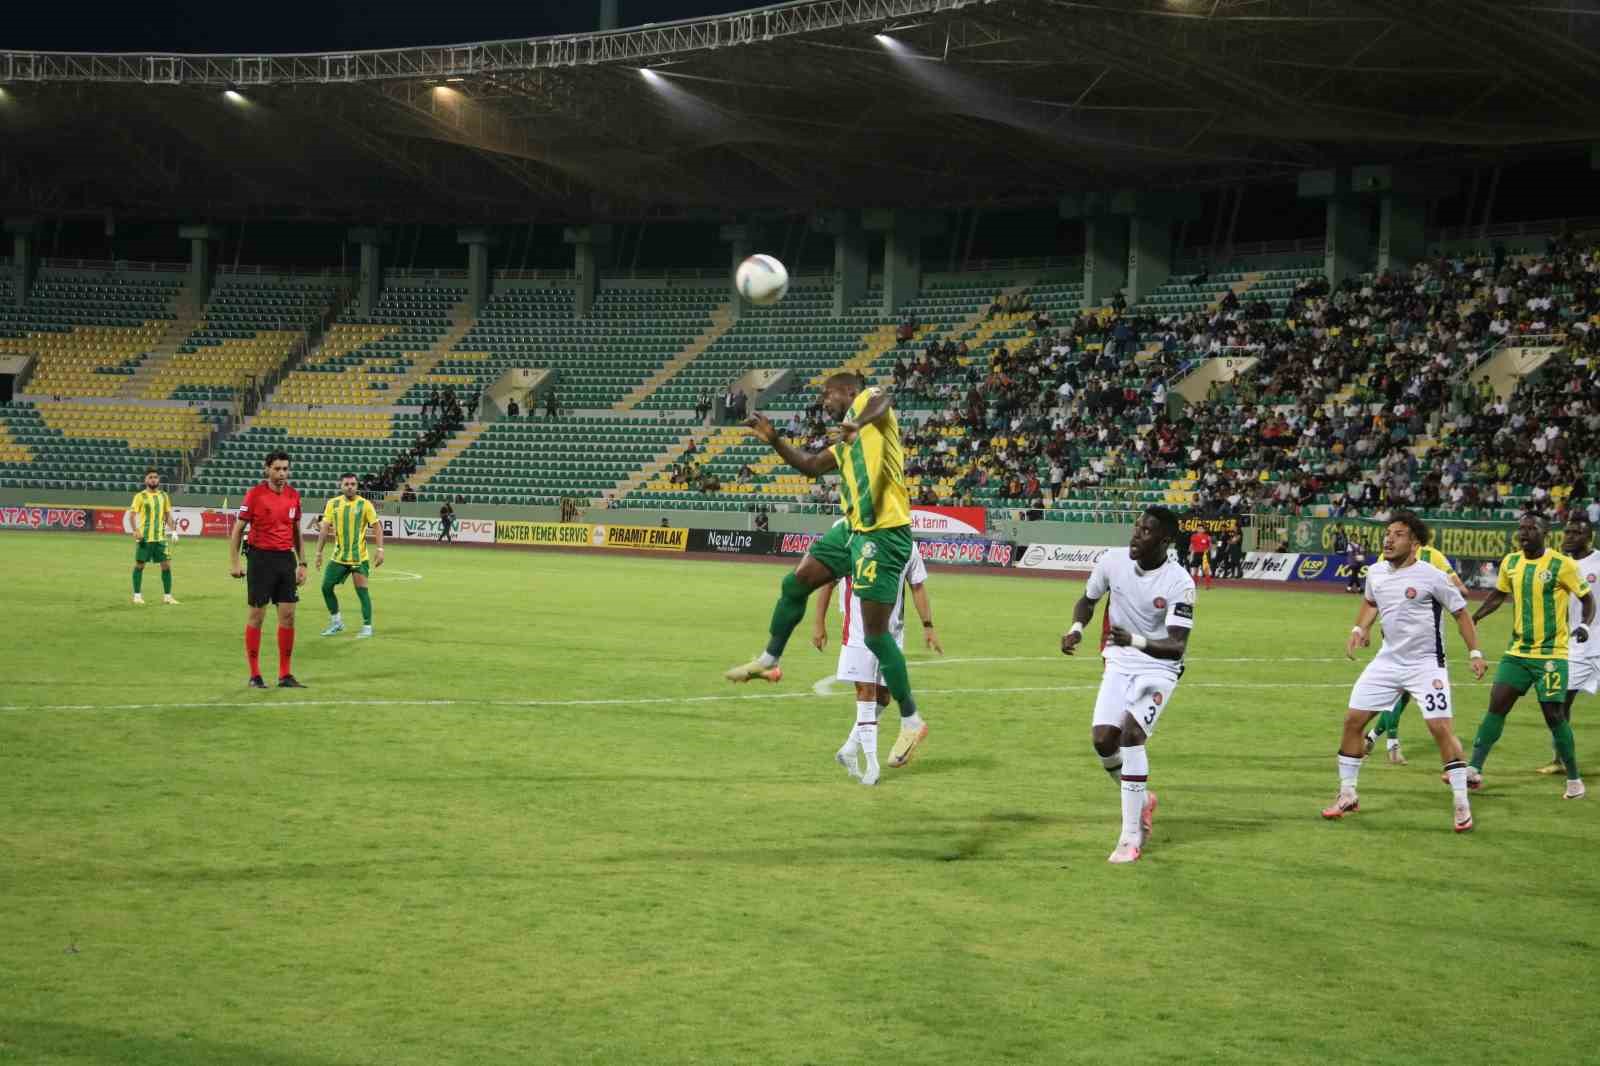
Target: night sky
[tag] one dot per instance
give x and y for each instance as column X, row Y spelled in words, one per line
column 314, row 25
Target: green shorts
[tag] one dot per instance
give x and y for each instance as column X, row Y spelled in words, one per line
column 335, row 573
column 874, row 562
column 1547, row 677
column 150, row 551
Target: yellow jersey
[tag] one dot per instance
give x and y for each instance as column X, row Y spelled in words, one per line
column 1436, row 559
column 150, row 512
column 872, row 477
column 350, row 520
column 1539, row 589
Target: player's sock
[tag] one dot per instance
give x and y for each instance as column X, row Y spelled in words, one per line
column 892, row 661
column 252, row 649
column 788, row 613
column 1135, row 772
column 166, row 582
column 138, row 580
column 1392, row 743
column 285, row 649
column 1349, row 770
column 1113, row 765
column 1457, row 773
column 1489, row 731
column 867, row 729
column 1566, row 748
column 366, row 605
column 330, row 598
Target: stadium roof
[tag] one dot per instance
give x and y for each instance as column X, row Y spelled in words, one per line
column 803, row 105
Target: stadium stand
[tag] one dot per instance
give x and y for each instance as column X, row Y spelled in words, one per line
column 98, row 446
column 322, row 444
column 251, row 327
column 525, row 461
column 603, row 360
column 375, row 358
column 88, row 332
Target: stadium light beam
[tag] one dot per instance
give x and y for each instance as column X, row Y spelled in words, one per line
column 234, row 96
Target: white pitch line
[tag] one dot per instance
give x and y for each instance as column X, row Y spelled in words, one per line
column 267, row 703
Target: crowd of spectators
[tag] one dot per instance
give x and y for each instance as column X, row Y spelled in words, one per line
column 447, row 418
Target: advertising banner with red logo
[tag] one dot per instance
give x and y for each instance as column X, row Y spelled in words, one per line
column 949, row 521
column 216, row 523
column 189, row 521
column 68, row 519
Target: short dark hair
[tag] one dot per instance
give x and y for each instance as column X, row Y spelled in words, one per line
column 1577, row 515
column 343, row 476
column 1412, row 521
column 274, row 455
column 846, row 377
column 1167, row 519
column 152, row 470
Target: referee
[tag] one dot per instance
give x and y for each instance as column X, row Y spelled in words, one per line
column 277, row 564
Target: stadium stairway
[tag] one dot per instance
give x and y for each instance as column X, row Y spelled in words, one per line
column 655, row 468
column 722, row 320
column 463, row 439
column 1511, row 364
column 190, row 315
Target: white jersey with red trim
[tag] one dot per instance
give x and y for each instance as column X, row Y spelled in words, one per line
column 1149, row 603
column 855, row 634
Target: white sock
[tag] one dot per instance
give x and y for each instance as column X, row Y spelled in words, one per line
column 337, row 618
column 1349, row 770
column 911, row 721
column 1457, row 772
column 767, row 660
column 1135, row 770
column 1394, row 742
column 1113, row 764
column 867, row 729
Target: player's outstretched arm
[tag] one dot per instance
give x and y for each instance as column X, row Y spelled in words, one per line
column 1489, row 606
column 1469, row 633
column 1168, row 647
column 819, row 616
column 1361, row 632
column 1082, row 615
column 930, row 636
column 811, row 464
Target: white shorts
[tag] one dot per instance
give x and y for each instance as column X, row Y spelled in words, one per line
column 1583, row 675
column 1144, row 696
column 1381, row 683
column 858, row 664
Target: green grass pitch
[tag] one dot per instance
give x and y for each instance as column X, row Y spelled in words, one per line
column 529, row 823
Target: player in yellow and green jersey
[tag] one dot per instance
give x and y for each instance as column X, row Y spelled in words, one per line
column 1389, row 721
column 346, row 519
column 150, row 516
column 1539, row 583
column 869, row 550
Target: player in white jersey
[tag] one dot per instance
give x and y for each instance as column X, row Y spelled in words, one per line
column 1583, row 659
column 859, row 665
column 1410, row 597
column 1147, row 630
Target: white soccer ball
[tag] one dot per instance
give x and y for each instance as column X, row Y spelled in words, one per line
column 761, row 279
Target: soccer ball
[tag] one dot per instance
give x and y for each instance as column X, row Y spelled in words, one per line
column 761, row 279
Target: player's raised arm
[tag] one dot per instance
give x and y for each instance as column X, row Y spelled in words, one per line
column 812, row 464
column 1361, row 632
column 819, row 618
